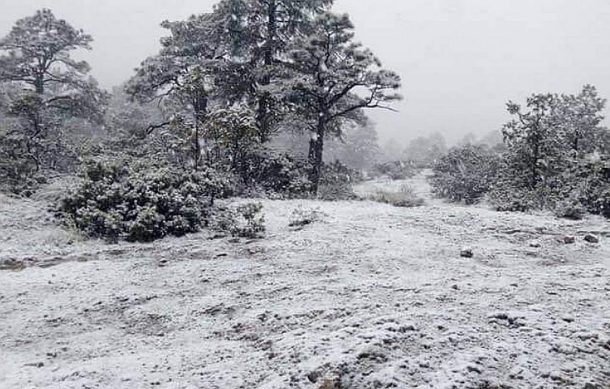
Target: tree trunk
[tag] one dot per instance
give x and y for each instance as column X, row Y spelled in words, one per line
column 201, row 109
column 263, row 114
column 535, row 164
column 316, row 151
column 196, row 147
column 262, row 118
column 39, row 83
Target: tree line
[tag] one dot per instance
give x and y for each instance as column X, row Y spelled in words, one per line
column 223, row 83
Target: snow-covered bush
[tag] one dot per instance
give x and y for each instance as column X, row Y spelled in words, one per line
column 115, row 201
column 276, row 174
column 506, row 196
column 465, row 173
column 16, row 169
column 584, row 186
column 405, row 198
column 588, row 184
column 336, row 182
column 396, row 170
column 302, row 216
column 570, row 208
column 547, row 163
column 250, row 221
column 244, row 221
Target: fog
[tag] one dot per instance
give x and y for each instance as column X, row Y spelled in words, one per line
column 460, row 60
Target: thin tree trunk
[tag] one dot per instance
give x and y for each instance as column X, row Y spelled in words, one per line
column 535, row 164
column 196, row 147
column 316, row 153
column 201, row 108
column 263, row 114
column 39, row 84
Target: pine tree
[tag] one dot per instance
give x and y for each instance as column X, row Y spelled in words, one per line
column 183, row 75
column 261, row 32
column 334, row 79
column 579, row 117
column 35, row 57
column 533, row 141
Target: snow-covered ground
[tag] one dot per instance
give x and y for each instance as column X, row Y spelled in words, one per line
column 372, row 296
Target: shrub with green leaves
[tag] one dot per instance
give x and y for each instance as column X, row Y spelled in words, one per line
column 115, row 201
column 465, row 174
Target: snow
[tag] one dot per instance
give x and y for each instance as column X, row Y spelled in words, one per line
column 370, row 296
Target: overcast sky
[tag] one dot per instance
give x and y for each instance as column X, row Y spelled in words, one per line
column 460, row 60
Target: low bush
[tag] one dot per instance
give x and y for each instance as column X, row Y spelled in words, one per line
column 465, row 174
column 243, row 221
column 396, row 170
column 115, row 201
column 302, row 216
column 17, row 167
column 274, row 174
column 584, row 187
column 250, row 221
column 405, row 198
column 570, row 209
column 589, row 183
column 505, row 197
column 336, row 183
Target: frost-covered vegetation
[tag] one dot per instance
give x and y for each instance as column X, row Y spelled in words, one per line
column 115, row 201
column 466, row 173
column 555, row 157
column 208, row 107
column 226, row 218
column 405, row 197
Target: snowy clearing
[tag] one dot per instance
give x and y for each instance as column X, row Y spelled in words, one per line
column 372, row 296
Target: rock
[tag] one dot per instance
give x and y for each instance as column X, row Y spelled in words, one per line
column 313, row 376
column 589, row 385
column 467, row 252
column 569, row 240
column 535, row 244
column 332, row 383
column 591, row 238
column 35, row 364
